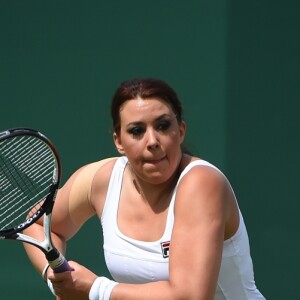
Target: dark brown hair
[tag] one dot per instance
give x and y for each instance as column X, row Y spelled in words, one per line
column 144, row 88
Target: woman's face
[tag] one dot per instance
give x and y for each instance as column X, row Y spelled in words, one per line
column 150, row 137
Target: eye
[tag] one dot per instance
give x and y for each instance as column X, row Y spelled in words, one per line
column 163, row 125
column 136, row 130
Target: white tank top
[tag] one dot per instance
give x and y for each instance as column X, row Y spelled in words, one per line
column 133, row 261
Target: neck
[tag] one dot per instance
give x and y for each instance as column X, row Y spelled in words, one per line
column 156, row 195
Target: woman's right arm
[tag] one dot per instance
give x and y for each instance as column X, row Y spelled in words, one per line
column 71, row 210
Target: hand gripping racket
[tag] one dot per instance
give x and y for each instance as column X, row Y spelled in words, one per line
column 30, row 173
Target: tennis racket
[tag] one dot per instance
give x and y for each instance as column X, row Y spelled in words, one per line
column 30, row 173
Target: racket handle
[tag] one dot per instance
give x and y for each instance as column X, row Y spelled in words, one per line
column 60, row 264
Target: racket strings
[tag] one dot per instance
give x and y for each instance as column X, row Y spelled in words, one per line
column 27, row 168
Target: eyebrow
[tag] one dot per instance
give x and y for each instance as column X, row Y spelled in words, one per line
column 156, row 119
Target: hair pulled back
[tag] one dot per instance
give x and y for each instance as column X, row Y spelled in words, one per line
column 144, row 88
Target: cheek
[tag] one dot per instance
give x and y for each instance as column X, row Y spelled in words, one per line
column 174, row 144
column 133, row 147
column 176, row 138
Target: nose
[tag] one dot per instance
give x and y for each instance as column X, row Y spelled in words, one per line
column 152, row 139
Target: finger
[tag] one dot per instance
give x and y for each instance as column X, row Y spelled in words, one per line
column 59, row 277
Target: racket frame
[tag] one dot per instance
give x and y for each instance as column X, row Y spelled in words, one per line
column 56, row 260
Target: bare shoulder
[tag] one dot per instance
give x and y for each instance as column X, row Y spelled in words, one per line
column 205, row 175
column 99, row 184
column 80, row 189
column 204, row 193
column 201, row 174
column 96, row 169
column 204, row 187
column 84, row 177
column 102, row 171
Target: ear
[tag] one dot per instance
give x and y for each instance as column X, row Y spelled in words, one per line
column 182, row 131
column 118, row 143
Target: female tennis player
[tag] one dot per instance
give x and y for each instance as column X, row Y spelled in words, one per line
column 171, row 223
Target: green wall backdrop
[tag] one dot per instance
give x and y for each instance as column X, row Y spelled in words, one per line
column 235, row 65
column 263, row 124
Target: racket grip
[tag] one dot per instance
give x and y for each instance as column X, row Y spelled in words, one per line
column 60, row 264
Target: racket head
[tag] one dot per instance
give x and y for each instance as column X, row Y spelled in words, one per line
column 30, row 173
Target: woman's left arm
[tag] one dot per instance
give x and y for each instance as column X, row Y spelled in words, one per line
column 201, row 213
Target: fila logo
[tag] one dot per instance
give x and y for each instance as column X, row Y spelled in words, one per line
column 165, row 247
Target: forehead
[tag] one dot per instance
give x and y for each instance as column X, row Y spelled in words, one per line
column 139, row 107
